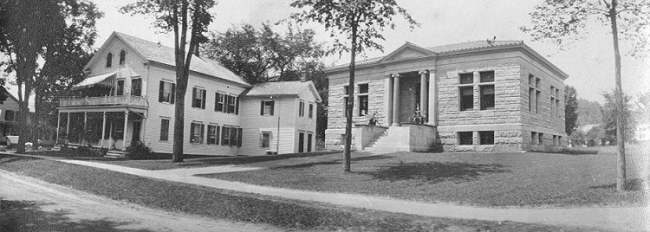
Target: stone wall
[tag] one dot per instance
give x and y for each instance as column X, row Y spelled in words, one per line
column 336, row 108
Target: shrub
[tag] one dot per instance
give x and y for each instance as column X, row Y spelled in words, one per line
column 138, row 150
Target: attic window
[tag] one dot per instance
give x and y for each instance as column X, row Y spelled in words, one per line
column 122, row 57
column 109, row 60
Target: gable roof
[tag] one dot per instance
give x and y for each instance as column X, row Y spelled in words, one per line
column 283, row 88
column 157, row 53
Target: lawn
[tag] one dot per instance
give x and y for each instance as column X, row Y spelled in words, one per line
column 214, row 203
column 484, row 179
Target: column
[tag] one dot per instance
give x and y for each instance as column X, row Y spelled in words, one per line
column 423, row 93
column 126, row 124
column 83, row 134
column 67, row 129
column 433, row 97
column 395, row 100
column 101, row 139
column 388, row 100
column 58, row 124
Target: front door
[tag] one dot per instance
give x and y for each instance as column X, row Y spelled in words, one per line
column 409, row 97
column 301, row 142
column 136, row 131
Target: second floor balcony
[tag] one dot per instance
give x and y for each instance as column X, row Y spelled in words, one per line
column 121, row 100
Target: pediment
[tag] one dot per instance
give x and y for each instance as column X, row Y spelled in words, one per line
column 407, row 51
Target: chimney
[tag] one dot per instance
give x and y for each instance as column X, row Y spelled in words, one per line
column 303, row 73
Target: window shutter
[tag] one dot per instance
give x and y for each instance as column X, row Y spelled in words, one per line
column 191, row 132
column 193, row 97
column 272, row 107
column 216, row 101
column 239, row 134
column 217, row 137
column 236, row 105
column 202, row 133
column 173, row 93
column 262, row 108
column 261, row 139
column 161, row 91
column 223, row 136
column 203, row 100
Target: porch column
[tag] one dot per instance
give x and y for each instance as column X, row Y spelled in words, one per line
column 433, row 97
column 388, row 99
column 101, row 139
column 423, row 93
column 395, row 100
column 126, row 124
column 83, row 134
column 67, row 129
column 58, row 124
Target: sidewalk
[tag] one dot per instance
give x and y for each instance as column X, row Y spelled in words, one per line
column 610, row 218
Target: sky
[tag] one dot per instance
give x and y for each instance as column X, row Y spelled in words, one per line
column 589, row 63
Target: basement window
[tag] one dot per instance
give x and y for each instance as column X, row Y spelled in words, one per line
column 486, row 137
column 465, row 138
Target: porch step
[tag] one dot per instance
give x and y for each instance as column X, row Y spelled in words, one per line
column 114, row 154
column 392, row 140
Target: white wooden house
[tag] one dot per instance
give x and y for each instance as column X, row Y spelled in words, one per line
column 133, row 80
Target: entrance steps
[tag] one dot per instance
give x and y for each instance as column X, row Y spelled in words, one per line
column 407, row 137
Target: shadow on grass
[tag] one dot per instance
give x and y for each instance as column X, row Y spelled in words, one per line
column 630, row 185
column 334, row 162
column 28, row 216
column 435, row 172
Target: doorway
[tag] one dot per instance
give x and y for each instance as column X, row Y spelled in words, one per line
column 301, row 142
column 136, row 131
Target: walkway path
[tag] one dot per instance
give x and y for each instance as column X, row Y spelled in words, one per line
column 610, row 218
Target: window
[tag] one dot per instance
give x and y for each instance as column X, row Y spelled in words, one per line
column 109, row 60
column 164, row 129
column 552, row 103
column 219, row 102
column 311, row 110
column 213, row 134
column 554, row 140
column 465, row 138
column 122, row 57
column 346, row 90
column 225, row 136
column 363, row 99
column 196, row 133
column 537, row 97
column 486, row 137
column 198, row 98
column 487, row 97
column 136, row 87
column 266, row 108
column 309, row 142
column 466, row 98
column 235, row 136
column 120, row 88
column 167, row 92
column 301, row 109
column 466, row 78
column 232, row 104
column 541, row 138
column 363, row 88
column 265, row 140
column 559, row 140
column 533, row 138
column 487, row 76
column 10, row 115
column 531, row 99
column 534, row 93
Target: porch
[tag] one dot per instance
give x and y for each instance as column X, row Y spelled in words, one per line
column 115, row 129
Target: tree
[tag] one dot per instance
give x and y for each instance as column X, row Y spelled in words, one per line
column 565, row 21
column 33, row 30
column 263, row 55
column 610, row 112
column 187, row 19
column 570, row 109
column 361, row 22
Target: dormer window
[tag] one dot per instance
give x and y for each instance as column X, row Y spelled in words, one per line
column 122, row 57
column 109, row 60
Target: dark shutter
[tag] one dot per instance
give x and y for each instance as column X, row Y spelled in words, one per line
column 262, row 108
column 202, row 133
column 161, row 92
column 239, row 134
column 194, row 98
column 272, row 107
column 233, row 136
column 217, row 137
column 236, row 105
column 203, row 100
column 173, row 94
column 216, row 101
column 191, row 132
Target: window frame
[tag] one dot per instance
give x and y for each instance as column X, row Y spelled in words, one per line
column 462, row 98
column 486, row 137
column 212, row 137
column 267, row 140
column 136, row 91
column 166, row 96
column 485, row 102
column 196, row 137
column 198, row 97
column 301, row 108
column 164, row 129
column 109, row 60
column 263, row 108
column 462, row 140
column 119, row 87
column 122, row 57
column 311, row 110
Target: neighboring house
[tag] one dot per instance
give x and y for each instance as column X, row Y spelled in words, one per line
column 8, row 118
column 643, row 132
column 133, row 80
column 473, row 96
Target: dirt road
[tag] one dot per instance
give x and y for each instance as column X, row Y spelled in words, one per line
column 33, row 205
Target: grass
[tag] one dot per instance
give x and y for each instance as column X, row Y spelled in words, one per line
column 236, row 206
column 483, row 179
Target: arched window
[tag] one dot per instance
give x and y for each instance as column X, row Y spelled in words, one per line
column 122, row 57
column 109, row 60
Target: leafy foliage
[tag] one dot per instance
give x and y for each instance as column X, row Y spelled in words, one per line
column 139, row 150
column 609, row 112
column 180, row 17
column 570, row 109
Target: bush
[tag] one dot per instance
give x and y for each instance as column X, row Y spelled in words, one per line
column 138, row 150
column 89, row 151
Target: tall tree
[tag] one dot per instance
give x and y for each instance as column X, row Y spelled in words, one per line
column 564, row 21
column 33, row 30
column 362, row 23
column 610, row 114
column 263, row 55
column 570, row 109
column 188, row 20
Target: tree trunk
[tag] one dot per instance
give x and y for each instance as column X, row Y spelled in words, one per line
column 179, row 119
column 620, row 107
column 350, row 105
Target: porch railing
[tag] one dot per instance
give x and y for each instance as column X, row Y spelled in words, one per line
column 128, row 100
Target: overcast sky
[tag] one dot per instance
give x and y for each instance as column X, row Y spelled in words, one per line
column 590, row 64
